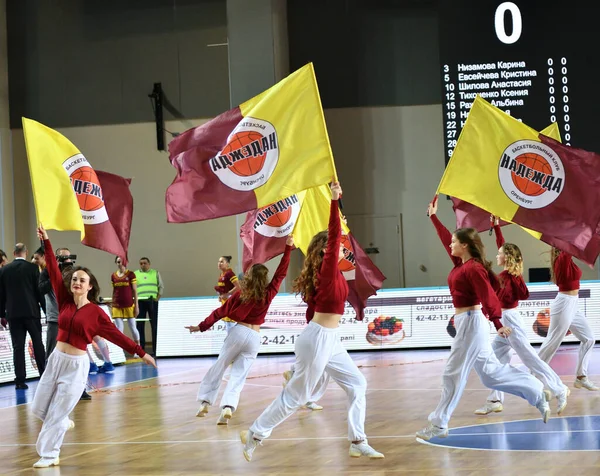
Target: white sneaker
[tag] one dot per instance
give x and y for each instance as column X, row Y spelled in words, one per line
column 562, row 400
column 203, row 410
column 225, row 416
column 287, row 376
column 585, row 383
column 71, row 425
column 250, row 444
column 364, row 449
column 313, row 406
column 489, row 407
column 47, row 462
column 432, row 431
column 543, row 406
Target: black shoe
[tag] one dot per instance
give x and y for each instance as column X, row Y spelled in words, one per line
column 85, row 396
column 21, row 386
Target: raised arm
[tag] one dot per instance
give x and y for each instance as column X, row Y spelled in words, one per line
column 499, row 237
column 56, row 277
column 442, row 231
column 281, row 271
column 329, row 267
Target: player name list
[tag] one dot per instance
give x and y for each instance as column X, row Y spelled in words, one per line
column 508, row 85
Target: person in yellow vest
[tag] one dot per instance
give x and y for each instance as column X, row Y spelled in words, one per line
column 226, row 286
column 150, row 288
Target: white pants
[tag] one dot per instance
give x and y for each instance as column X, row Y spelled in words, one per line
column 520, row 343
column 229, row 325
column 472, row 349
column 321, row 387
column 565, row 315
column 239, row 349
column 57, row 394
column 318, row 350
column 135, row 334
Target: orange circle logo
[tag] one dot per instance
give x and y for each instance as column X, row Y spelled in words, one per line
column 348, row 262
column 278, row 219
column 87, row 189
column 250, row 156
column 531, row 174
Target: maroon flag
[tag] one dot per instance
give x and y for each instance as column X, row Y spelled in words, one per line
column 265, row 231
column 112, row 235
column 471, row 216
column 364, row 278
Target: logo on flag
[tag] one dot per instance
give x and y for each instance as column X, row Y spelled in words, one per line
column 87, row 189
column 531, row 174
column 278, row 219
column 250, row 156
column 348, row 263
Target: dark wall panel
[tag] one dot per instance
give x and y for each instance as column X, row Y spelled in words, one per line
column 368, row 53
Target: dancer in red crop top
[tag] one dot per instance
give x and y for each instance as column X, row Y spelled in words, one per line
column 565, row 315
column 79, row 320
column 510, row 289
column 318, row 349
column 471, row 291
column 247, row 308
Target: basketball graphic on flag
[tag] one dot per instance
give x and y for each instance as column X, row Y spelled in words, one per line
column 534, row 162
column 87, row 189
column 91, row 197
column 248, row 166
column 348, row 262
column 250, row 156
column 278, row 219
column 531, row 174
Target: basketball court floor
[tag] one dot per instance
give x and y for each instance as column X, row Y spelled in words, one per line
column 142, row 421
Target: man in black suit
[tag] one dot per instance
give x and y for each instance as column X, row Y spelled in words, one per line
column 20, row 301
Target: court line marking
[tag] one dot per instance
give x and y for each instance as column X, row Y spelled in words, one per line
column 429, row 443
column 234, row 440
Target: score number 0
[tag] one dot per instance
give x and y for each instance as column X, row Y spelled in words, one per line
column 517, row 22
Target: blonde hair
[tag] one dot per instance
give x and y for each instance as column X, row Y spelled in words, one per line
column 513, row 259
column 254, row 283
column 306, row 284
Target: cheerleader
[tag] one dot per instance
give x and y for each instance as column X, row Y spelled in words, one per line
column 227, row 284
column 318, row 349
column 510, row 289
column 247, row 308
column 61, row 385
column 469, row 284
column 124, row 298
column 565, row 315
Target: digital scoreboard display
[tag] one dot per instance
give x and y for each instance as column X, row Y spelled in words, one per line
column 535, row 60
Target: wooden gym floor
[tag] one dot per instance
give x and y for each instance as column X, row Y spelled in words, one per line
column 149, row 427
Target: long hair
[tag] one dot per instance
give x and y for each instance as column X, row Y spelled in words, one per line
column 470, row 237
column 254, row 283
column 554, row 252
column 94, row 293
column 306, row 284
column 513, row 259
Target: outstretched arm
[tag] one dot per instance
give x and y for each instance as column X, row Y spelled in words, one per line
column 442, row 231
column 56, row 277
column 281, row 271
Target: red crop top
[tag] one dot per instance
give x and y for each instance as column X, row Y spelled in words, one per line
column 332, row 289
column 510, row 289
column 567, row 274
column 250, row 312
column 469, row 282
column 79, row 326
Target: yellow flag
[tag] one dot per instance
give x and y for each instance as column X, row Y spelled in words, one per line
column 314, row 216
column 269, row 148
column 502, row 166
column 49, row 154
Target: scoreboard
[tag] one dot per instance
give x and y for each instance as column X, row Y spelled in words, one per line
column 535, row 60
